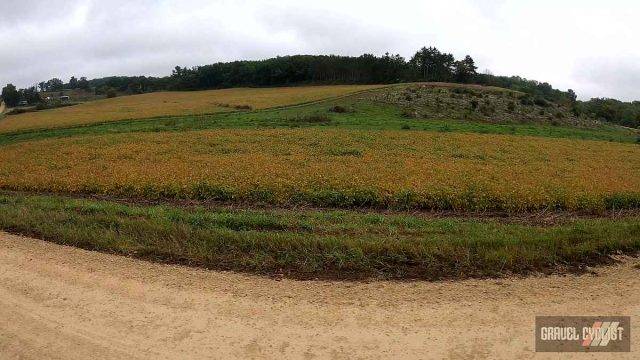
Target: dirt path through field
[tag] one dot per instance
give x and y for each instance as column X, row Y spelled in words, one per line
column 61, row 302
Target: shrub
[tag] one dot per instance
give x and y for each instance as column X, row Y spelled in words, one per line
column 19, row 111
column 511, row 106
column 407, row 127
column 526, row 100
column 409, row 114
column 338, row 109
column 466, row 91
column 487, row 108
column 312, row 119
column 575, row 111
column 111, row 93
column 54, row 105
column 541, row 102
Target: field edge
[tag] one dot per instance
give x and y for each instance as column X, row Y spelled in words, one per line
column 329, row 244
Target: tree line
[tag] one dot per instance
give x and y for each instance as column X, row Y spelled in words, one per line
column 427, row 64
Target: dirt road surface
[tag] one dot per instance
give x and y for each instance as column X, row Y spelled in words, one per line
column 64, row 303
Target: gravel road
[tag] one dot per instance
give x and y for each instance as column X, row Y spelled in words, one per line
column 59, row 302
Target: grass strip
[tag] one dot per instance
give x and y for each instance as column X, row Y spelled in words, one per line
column 319, row 244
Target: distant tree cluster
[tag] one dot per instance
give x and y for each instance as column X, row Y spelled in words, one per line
column 293, row 70
column 534, row 88
column 12, row 96
column 427, row 64
column 611, row 110
column 127, row 84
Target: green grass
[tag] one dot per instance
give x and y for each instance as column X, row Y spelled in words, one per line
column 310, row 244
column 362, row 114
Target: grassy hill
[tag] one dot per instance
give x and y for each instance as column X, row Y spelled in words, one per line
column 478, row 103
column 414, row 180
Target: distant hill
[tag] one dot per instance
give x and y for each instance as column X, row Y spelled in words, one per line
column 426, row 65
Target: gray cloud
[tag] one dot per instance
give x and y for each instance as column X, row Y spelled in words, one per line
column 602, row 76
column 35, row 12
column 563, row 43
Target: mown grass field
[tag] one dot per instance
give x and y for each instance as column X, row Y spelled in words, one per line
column 320, row 244
column 336, row 168
column 172, row 103
column 372, row 170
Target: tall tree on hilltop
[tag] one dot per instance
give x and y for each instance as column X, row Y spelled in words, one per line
column 433, row 65
column 55, row 84
column 465, row 70
column 572, row 96
column 10, row 95
column 73, row 83
column 83, row 83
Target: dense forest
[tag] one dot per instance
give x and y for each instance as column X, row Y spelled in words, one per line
column 427, row 64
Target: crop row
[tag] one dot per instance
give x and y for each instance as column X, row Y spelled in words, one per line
column 335, row 168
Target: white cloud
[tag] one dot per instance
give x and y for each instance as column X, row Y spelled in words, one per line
column 586, row 45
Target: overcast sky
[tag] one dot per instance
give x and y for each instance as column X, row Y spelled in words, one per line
column 588, row 45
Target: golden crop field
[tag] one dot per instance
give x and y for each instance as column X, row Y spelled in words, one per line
column 173, row 103
column 334, row 168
